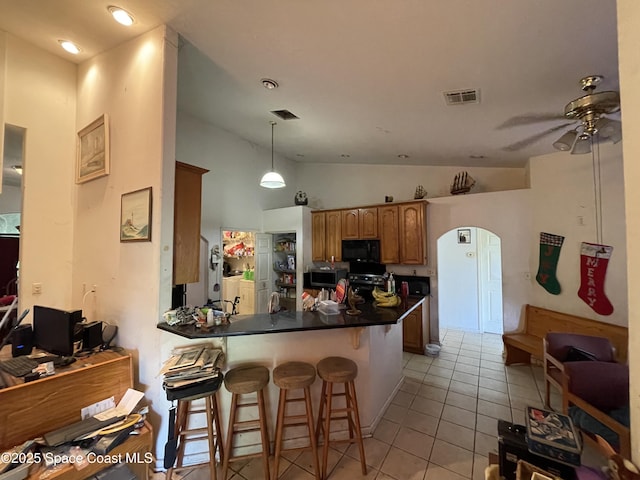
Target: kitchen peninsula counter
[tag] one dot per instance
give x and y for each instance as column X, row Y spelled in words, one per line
column 297, row 321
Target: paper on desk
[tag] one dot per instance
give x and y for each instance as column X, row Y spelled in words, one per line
column 124, row 407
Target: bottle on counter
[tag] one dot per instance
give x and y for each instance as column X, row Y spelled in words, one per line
column 392, row 284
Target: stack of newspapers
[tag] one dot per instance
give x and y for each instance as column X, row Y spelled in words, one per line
column 192, row 364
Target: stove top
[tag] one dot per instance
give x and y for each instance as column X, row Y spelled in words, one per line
column 358, row 279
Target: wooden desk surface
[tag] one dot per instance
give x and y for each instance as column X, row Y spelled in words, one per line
column 28, row 410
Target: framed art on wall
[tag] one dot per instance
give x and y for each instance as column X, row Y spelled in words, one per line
column 135, row 216
column 464, row 235
column 93, row 150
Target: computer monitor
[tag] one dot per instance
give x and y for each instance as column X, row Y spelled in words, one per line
column 54, row 330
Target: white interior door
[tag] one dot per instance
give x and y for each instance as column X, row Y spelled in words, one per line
column 490, row 284
column 262, row 277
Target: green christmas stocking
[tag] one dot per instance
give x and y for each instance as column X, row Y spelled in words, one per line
column 550, row 246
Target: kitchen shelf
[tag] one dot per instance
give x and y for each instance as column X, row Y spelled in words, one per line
column 285, row 285
column 284, row 270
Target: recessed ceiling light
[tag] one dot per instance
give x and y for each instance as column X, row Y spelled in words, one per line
column 18, row 169
column 121, row 16
column 269, row 84
column 478, row 157
column 403, row 155
column 69, row 46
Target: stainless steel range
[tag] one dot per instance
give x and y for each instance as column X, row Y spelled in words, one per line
column 364, row 276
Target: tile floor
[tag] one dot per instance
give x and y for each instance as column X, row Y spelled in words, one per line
column 441, row 425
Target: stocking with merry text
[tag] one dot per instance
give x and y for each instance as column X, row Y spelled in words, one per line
column 550, row 246
column 594, row 260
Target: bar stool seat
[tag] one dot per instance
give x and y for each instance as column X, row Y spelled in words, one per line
column 336, row 370
column 295, row 376
column 241, row 381
column 211, row 432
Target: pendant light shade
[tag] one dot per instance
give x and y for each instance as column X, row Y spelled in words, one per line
column 566, row 141
column 582, row 145
column 272, row 179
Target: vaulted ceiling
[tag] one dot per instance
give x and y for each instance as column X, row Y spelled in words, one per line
column 365, row 77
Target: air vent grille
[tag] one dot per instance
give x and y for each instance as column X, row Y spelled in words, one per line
column 461, row 97
column 284, row 114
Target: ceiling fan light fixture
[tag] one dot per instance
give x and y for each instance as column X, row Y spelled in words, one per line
column 272, row 179
column 611, row 129
column 566, row 141
column 582, row 145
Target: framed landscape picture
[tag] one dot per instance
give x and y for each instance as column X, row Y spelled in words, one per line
column 93, row 150
column 135, row 216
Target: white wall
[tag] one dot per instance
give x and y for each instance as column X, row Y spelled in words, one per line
column 628, row 40
column 562, row 185
column 341, row 186
column 458, row 281
column 133, row 279
column 506, row 214
column 40, row 96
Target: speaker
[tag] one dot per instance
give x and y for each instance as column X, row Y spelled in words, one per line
column 91, row 335
column 22, row 340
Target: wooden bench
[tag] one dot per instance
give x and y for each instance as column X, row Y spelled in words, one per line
column 521, row 346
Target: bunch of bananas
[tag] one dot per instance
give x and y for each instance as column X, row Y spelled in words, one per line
column 385, row 299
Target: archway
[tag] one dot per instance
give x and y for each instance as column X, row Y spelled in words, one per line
column 470, row 280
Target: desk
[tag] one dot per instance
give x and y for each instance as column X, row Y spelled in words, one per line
column 28, row 410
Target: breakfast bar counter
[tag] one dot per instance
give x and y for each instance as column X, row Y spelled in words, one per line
column 297, row 321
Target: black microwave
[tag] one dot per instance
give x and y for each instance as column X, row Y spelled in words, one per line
column 326, row 278
column 361, row 251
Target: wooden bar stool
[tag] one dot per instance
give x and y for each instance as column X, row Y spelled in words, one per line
column 339, row 370
column 242, row 381
column 295, row 376
column 212, row 432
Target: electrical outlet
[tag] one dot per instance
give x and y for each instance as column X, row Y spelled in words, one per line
column 94, row 288
column 36, row 288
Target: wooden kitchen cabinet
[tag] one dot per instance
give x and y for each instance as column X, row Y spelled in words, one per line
column 359, row 223
column 333, row 235
column 317, row 236
column 186, row 223
column 412, row 232
column 415, row 329
column 389, row 234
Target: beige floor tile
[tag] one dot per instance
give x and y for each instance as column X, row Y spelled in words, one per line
column 494, row 410
column 449, row 354
column 494, row 385
column 374, row 452
column 493, row 374
column 349, row 469
column 433, row 393
column 413, row 374
column 410, row 385
column 403, row 399
column 524, row 392
column 418, row 366
column 464, row 368
column 436, row 381
column 455, row 434
column 468, row 389
column 414, row 442
column 440, row 371
column 465, row 377
column 436, row 472
column 421, row 422
column 442, row 363
column 294, row 472
column 486, row 443
column 452, row 457
column 426, row 406
column 491, row 365
column 461, row 401
column 493, row 396
column 253, row 469
column 487, row 425
column 470, row 354
column 402, row 465
column 395, row 413
column 386, row 431
column 479, row 465
column 459, row 416
column 468, row 360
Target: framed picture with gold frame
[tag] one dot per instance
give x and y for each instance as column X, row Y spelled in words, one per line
column 92, row 156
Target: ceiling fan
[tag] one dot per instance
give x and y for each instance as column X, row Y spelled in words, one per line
column 587, row 111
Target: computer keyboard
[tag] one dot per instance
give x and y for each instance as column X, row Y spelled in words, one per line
column 21, row 366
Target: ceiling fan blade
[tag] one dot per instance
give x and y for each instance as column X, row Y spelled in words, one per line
column 534, row 138
column 528, row 119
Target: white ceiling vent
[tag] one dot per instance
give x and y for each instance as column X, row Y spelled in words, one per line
column 460, row 97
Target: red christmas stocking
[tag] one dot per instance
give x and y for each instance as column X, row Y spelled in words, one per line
column 594, row 259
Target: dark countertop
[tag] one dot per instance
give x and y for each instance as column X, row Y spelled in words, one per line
column 296, row 321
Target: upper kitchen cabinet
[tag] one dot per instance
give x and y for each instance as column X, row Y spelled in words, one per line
column 389, row 234
column 317, row 236
column 326, row 234
column 359, row 223
column 186, row 223
column 412, row 230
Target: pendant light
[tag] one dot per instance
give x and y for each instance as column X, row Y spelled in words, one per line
column 272, row 179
